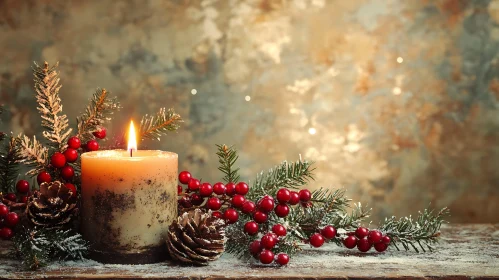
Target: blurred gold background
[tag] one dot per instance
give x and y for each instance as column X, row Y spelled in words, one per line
column 397, row 101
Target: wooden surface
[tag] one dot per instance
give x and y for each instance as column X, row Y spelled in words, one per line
column 465, row 252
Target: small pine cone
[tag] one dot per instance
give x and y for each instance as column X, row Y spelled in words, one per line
column 196, row 238
column 53, row 206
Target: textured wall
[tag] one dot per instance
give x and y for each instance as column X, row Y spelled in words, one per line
column 402, row 95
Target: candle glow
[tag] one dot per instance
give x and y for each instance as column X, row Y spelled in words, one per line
column 132, row 139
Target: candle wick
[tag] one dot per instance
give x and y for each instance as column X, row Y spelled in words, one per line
column 131, row 152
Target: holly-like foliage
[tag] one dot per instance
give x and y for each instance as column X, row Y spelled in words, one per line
column 326, row 207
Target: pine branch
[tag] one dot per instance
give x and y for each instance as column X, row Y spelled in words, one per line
column 37, row 247
column 286, row 175
column 227, row 157
column 421, row 232
column 9, row 168
column 153, row 127
column 49, row 105
column 31, row 153
column 99, row 110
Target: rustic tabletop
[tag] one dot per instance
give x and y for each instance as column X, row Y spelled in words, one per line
column 465, row 252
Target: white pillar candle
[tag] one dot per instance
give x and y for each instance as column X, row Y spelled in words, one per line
column 128, row 202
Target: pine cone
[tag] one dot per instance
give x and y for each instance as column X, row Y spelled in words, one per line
column 53, row 206
column 196, row 238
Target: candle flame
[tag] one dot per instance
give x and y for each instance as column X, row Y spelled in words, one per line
column 132, row 139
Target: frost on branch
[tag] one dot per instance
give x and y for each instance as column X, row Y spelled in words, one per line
column 153, row 127
column 49, row 105
column 100, row 109
column 31, row 153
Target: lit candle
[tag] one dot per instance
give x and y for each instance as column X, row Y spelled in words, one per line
column 129, row 198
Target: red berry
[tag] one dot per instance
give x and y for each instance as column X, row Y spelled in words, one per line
column 58, row 160
column 72, row 188
column 206, row 189
column 74, row 142
column 374, row 236
column 230, row 189
column 184, row 177
column 350, row 242
column 266, row 257
column 22, row 186
column 282, row 259
column 4, row 210
column 238, row 200
column 361, row 232
column 219, row 188
column 266, row 204
column 67, row 172
column 329, row 232
column 12, row 219
column 6, row 233
column 216, row 214
column 281, row 210
column 260, row 217
column 11, row 197
column 380, row 247
column 268, row 241
column 179, row 189
column 242, row 188
column 279, row 229
column 386, row 239
column 186, row 202
column 251, row 228
column 305, row 195
column 24, row 199
column 92, row 145
column 196, row 199
column 294, row 198
column 193, row 184
column 213, row 203
column 317, row 240
column 255, row 247
column 100, row 133
column 363, row 245
column 71, row 155
column 43, row 177
column 231, row 216
column 248, row 207
column 283, row 195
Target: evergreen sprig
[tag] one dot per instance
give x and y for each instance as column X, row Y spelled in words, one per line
column 285, row 175
column 421, row 232
column 9, row 168
column 49, row 105
column 153, row 127
column 227, row 157
column 37, row 247
column 31, row 153
column 99, row 111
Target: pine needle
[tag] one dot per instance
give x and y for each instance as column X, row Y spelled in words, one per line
column 9, row 168
column 420, row 233
column 31, row 153
column 49, row 105
column 99, row 111
column 38, row 247
column 286, row 175
column 227, row 157
column 153, row 127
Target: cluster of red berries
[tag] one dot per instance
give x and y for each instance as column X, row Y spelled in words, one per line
column 364, row 239
column 8, row 221
column 263, row 249
column 60, row 160
column 228, row 197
